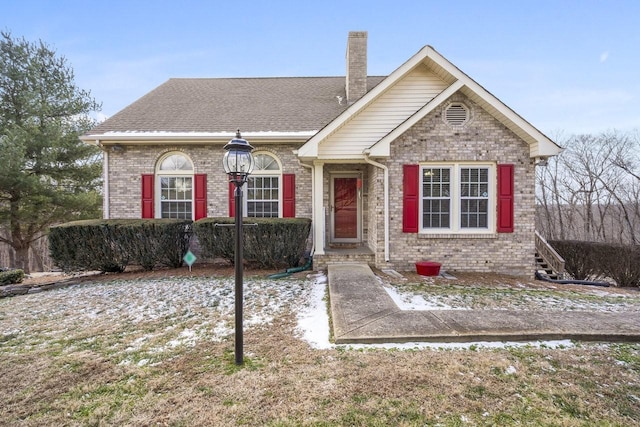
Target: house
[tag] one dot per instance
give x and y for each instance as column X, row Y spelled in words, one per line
column 422, row 164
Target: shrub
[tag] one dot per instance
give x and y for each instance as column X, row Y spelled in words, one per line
column 87, row 245
column 619, row 262
column 272, row 243
column 111, row 245
column 10, row 277
column 578, row 257
column 588, row 260
column 150, row 243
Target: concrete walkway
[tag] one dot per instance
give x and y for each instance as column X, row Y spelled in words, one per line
column 363, row 312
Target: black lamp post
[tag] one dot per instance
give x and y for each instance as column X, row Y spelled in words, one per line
column 238, row 164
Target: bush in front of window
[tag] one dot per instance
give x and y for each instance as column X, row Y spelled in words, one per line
column 271, row 243
column 111, row 245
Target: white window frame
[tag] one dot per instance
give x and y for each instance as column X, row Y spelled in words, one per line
column 264, row 173
column 160, row 173
column 456, row 197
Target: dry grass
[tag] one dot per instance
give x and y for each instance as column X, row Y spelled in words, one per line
column 65, row 372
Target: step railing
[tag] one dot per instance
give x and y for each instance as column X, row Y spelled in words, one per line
column 550, row 256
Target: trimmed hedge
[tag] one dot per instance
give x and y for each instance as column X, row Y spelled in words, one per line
column 592, row 260
column 12, row 276
column 272, row 243
column 578, row 257
column 111, row 245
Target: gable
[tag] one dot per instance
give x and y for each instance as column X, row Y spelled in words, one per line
column 378, row 118
column 347, row 136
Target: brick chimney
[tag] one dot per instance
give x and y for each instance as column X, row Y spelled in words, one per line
column 356, row 65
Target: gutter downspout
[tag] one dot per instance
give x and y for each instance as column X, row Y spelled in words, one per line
column 386, row 200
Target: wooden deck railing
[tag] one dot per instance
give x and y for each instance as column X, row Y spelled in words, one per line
column 550, row 256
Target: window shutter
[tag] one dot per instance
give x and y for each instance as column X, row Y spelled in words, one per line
column 147, row 195
column 200, row 192
column 410, row 183
column 232, row 200
column 505, row 198
column 288, row 196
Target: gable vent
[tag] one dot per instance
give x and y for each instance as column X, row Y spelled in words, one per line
column 456, row 114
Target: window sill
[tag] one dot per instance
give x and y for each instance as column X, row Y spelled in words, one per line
column 457, row 235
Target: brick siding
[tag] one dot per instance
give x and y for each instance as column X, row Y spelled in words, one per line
column 482, row 139
column 127, row 166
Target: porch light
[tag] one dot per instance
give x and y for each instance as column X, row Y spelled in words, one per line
column 238, row 164
column 238, row 161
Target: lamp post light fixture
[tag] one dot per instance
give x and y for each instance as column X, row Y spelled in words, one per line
column 238, row 164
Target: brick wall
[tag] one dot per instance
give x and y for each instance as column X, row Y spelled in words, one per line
column 483, row 139
column 356, row 79
column 127, row 166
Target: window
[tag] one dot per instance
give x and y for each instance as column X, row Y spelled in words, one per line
column 263, row 187
column 436, row 201
column 175, row 177
column 474, row 197
column 456, row 197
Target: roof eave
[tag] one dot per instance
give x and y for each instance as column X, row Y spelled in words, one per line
column 147, row 138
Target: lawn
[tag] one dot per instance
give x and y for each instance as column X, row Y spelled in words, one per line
column 158, row 350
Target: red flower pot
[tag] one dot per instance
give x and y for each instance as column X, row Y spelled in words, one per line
column 428, row 268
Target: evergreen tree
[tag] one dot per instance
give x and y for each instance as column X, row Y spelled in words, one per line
column 47, row 175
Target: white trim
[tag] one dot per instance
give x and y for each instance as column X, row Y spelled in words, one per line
column 105, row 184
column 318, row 207
column 264, row 173
column 135, row 137
column 159, row 174
column 454, row 208
column 332, row 238
column 310, row 148
column 385, row 170
column 245, row 193
column 382, row 148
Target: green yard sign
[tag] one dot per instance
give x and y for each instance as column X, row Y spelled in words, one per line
column 189, row 258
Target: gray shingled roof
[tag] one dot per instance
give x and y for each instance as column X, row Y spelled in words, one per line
column 285, row 104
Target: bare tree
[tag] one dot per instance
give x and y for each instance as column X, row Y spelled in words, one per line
column 590, row 191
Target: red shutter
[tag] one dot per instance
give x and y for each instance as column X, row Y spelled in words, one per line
column 200, row 193
column 232, row 200
column 411, row 184
column 288, row 196
column 147, row 195
column 505, row 198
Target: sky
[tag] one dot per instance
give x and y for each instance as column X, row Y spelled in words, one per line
column 568, row 67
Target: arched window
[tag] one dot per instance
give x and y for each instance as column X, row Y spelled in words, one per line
column 264, row 187
column 174, row 178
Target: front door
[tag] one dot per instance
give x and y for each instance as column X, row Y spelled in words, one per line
column 345, row 207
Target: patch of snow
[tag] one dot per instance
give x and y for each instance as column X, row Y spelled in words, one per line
column 184, row 311
column 406, row 301
column 313, row 318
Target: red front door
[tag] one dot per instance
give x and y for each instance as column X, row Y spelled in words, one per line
column 345, row 212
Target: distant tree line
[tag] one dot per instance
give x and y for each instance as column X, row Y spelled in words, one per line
column 591, row 191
